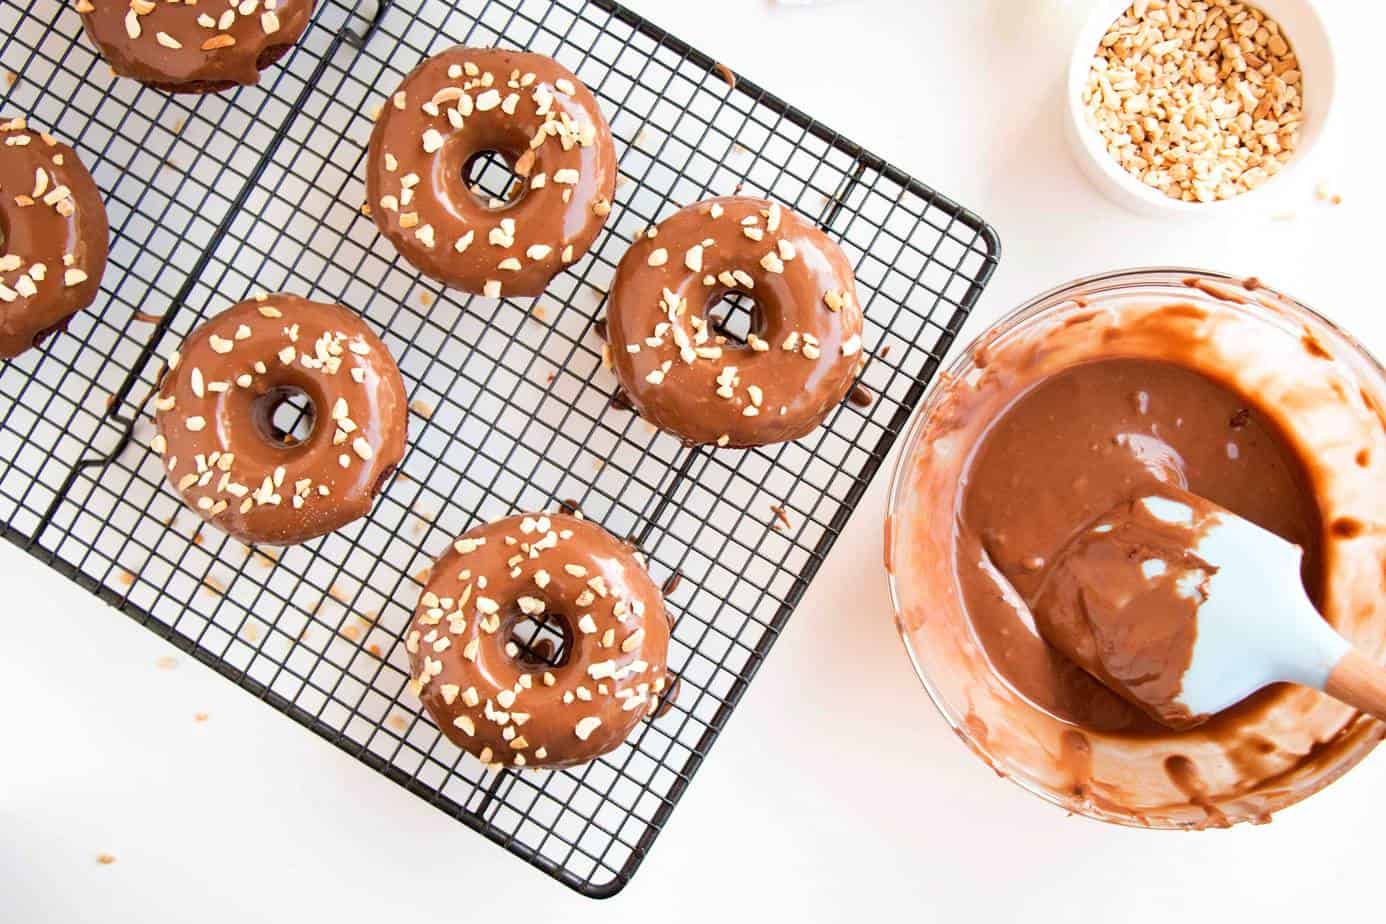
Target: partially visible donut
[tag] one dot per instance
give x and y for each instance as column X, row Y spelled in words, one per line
column 194, row 46
column 802, row 353
column 53, row 236
column 529, row 109
column 216, row 405
column 510, row 708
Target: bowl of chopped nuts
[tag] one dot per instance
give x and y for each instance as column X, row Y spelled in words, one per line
column 1179, row 107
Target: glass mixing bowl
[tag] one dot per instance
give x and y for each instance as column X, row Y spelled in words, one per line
column 1327, row 394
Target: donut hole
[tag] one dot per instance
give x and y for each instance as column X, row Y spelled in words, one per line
column 491, row 178
column 284, row 416
column 736, row 316
column 539, row 641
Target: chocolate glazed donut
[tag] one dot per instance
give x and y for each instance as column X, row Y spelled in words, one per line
column 530, row 110
column 194, row 46
column 509, row 709
column 803, row 350
column 53, row 236
column 217, row 401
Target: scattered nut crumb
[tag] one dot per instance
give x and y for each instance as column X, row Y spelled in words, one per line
column 425, row 298
column 726, row 74
column 374, row 649
column 105, row 859
column 1323, row 194
column 126, row 578
column 11, row 78
column 420, row 407
column 398, row 722
column 781, row 515
column 166, row 663
column 199, row 717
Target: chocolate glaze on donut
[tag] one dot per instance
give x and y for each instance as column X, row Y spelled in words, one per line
column 217, row 399
column 683, row 375
column 485, row 695
column 194, row 46
column 53, row 236
column 529, row 109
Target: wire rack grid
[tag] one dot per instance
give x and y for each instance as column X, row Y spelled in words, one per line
column 212, row 198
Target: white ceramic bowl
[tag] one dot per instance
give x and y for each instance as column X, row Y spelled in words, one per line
column 1304, row 29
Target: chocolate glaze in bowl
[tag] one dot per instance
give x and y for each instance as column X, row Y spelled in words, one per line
column 1311, row 387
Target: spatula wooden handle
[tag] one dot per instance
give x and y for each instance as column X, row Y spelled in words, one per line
column 1359, row 682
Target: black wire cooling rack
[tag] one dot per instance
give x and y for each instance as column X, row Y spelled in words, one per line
column 212, row 198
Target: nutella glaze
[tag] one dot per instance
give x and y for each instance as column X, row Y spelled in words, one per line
column 1071, row 448
column 194, row 46
column 465, row 102
column 801, row 356
column 53, row 236
column 216, row 404
column 1122, row 597
column 1054, row 418
column 510, row 710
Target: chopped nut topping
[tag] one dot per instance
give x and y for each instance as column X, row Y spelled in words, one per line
column 1201, row 101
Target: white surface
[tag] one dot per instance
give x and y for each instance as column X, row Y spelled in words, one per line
column 836, row 793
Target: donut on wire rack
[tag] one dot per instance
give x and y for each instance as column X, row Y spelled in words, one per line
column 53, row 236
column 215, row 411
column 508, row 701
column 460, row 106
column 194, row 46
column 685, row 373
